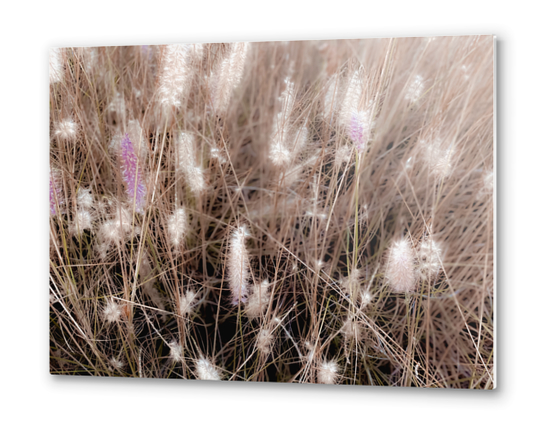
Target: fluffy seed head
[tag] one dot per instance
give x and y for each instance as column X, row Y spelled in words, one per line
column 415, row 89
column 136, row 135
column 429, row 259
column 132, row 173
column 217, row 154
column 365, row 298
column 438, row 157
column 205, row 370
column 350, row 328
column 327, row 373
column 81, row 221
column 84, row 199
column 110, row 232
column 186, row 158
column 176, row 351
column 116, row 363
column 279, row 154
column 112, row 311
column 400, row 269
column 354, row 117
column 279, row 151
column 66, row 130
column 258, row 300
column 229, row 76
column 238, row 266
column 117, row 229
column 186, row 303
column 56, row 67
column 174, row 75
column 177, row 226
column 264, row 341
column 352, row 98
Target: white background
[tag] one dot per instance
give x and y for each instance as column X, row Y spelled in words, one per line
column 29, row 30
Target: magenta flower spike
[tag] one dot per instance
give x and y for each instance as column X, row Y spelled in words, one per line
column 132, row 174
column 356, row 131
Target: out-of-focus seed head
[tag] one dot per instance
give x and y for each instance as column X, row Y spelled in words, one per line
column 400, row 268
column 327, row 372
column 205, row 370
column 176, row 351
column 66, row 130
column 264, row 341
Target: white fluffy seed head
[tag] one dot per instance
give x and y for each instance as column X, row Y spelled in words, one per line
column 137, row 137
column 400, row 268
column 177, row 227
column 279, row 154
column 117, row 229
column 176, row 351
column 352, row 98
column 85, row 199
column 101, row 249
column 82, row 221
column 238, row 266
column 438, row 157
column 56, row 66
column 66, row 130
column 229, row 76
column 258, row 300
column 429, row 259
column 350, row 328
column 217, row 154
column 365, row 298
column 356, row 112
column 264, row 341
column 280, row 151
column 110, row 232
column 327, row 372
column 187, row 163
column 112, row 311
column 415, row 89
column 116, row 363
column 205, row 370
column 174, row 74
column 187, row 303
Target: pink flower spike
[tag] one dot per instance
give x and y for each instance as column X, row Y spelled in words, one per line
column 356, row 131
column 132, row 174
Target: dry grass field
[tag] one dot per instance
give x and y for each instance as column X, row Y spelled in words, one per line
column 309, row 212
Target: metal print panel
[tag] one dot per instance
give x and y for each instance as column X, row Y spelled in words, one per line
column 305, row 212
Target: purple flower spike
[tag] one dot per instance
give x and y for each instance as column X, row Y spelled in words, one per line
column 132, row 174
column 52, row 196
column 356, row 130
